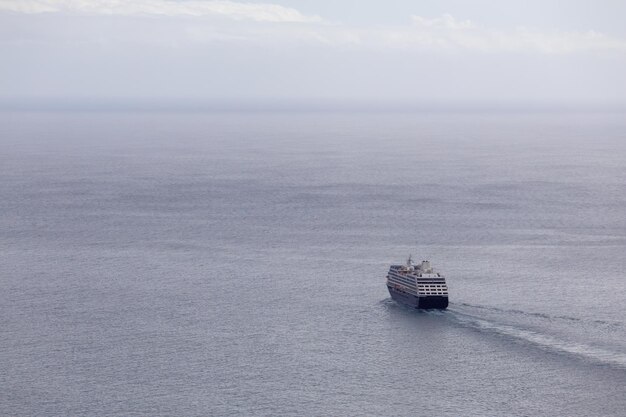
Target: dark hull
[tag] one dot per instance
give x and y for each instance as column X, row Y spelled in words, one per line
column 429, row 302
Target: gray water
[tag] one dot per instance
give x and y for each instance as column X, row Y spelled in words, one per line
column 234, row 264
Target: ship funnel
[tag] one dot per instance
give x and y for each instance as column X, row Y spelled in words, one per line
column 425, row 267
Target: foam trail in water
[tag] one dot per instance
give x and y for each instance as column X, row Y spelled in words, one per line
column 543, row 341
column 540, row 315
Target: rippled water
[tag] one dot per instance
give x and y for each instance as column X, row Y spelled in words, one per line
column 234, row 264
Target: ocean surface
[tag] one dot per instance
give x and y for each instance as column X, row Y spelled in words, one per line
column 233, row 264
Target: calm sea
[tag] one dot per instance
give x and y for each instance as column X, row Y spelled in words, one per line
column 233, row 264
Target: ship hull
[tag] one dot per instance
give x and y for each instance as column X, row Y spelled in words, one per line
column 430, row 302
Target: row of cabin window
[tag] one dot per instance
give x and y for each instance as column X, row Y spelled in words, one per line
column 404, row 285
column 399, row 275
column 399, row 279
column 402, row 279
column 404, row 288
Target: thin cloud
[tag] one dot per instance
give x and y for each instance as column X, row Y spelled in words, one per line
column 261, row 24
column 448, row 32
column 216, row 8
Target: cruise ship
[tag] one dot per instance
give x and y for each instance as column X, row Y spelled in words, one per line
column 417, row 286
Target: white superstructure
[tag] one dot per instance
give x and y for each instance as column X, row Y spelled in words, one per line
column 418, row 280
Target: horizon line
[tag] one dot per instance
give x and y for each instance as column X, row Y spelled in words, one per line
column 301, row 104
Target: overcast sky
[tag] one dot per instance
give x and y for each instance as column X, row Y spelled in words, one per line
column 446, row 50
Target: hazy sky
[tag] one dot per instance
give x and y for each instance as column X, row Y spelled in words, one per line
column 568, row 51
